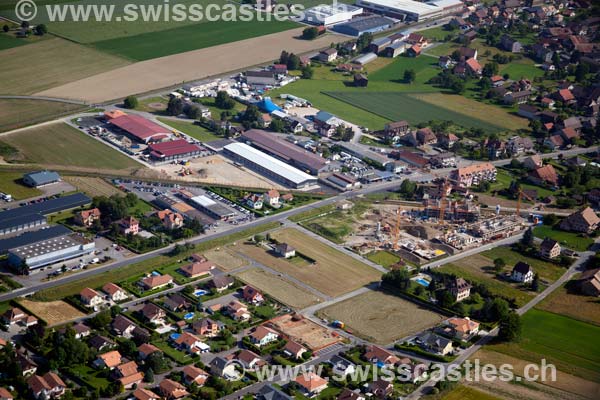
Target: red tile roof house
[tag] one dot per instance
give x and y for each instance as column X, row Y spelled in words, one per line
column 263, row 335
column 272, row 197
column 197, row 269
column 87, row 217
column 376, row 354
column 294, row 350
column 237, row 311
column 583, row 221
column 207, row 327
column 90, row 297
column 191, row 343
column 45, row 387
column 145, row 394
column 252, row 295
column 172, row 390
column 544, row 175
column 108, row 360
column 170, row 219
column 156, row 281
column 153, row 313
column 13, row 316
column 249, row 359
column 129, row 375
column 140, row 128
column 129, row 225
column 146, row 349
column 5, row 394
column 114, row 292
column 221, row 282
column 192, row 374
column 311, row 384
column 123, row 326
column 462, row 328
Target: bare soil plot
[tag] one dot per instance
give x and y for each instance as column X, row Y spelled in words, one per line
column 333, row 274
column 583, row 308
column 226, row 260
column 53, row 312
column 380, row 317
column 304, row 331
column 93, row 186
column 49, row 63
column 162, row 72
column 279, row 288
column 565, row 387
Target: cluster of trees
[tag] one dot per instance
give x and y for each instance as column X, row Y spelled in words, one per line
column 177, row 106
column 343, row 133
column 130, row 102
column 310, row 33
column 291, row 60
column 114, row 208
column 410, row 75
column 224, row 101
column 447, row 80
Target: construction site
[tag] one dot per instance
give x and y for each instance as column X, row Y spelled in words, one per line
column 415, row 232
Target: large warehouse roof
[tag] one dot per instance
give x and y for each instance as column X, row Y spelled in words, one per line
column 173, row 148
column 139, row 126
column 32, row 237
column 283, row 149
column 47, row 207
column 404, row 5
column 271, row 163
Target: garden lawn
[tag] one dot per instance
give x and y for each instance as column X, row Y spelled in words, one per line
column 566, row 239
column 189, row 128
column 569, row 343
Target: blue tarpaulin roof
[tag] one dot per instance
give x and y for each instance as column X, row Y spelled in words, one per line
column 268, row 106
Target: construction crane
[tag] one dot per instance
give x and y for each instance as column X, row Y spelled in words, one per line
column 445, row 187
column 519, row 195
column 397, row 229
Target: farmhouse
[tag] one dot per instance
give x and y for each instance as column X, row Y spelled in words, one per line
column 544, row 175
column 588, row 282
column 175, row 150
column 327, row 55
column 140, row 128
column 584, row 221
column 269, row 166
column 522, row 272
column 40, row 178
column 285, row 250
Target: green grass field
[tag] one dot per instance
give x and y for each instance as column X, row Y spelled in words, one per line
column 399, row 106
column 61, row 144
column 189, row 128
column 569, row 343
column 17, row 113
column 545, row 269
column 568, row 239
column 383, row 258
column 8, row 41
column 10, row 183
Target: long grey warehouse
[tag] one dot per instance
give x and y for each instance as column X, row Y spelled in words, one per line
column 269, row 166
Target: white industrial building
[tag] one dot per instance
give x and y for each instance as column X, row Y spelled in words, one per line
column 331, row 14
column 410, row 10
column 212, row 208
column 50, row 251
column 269, row 166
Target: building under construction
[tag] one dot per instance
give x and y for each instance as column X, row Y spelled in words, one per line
column 497, row 227
column 454, row 211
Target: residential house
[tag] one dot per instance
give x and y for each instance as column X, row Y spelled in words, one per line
column 522, row 272
column 285, row 250
column 208, row 328
column 533, row 162
column 145, row 394
column 191, row 343
column 443, row 160
column 221, row 282
column 128, row 374
column 554, row 142
column 170, row 220
column 414, row 51
column 460, row 289
column 90, row 297
column 544, row 175
column 197, row 269
column 447, row 140
column 81, row 330
column 381, row 388
column 509, row 44
column 376, row 354
column 460, row 328
column 13, row 315
column 528, row 111
column 195, row 375
column 87, row 217
column 176, row 302
column 238, row 311
column 262, row 335
column 252, row 295
column 220, row 366
column 342, row 366
column 588, row 283
column 294, row 349
column 445, row 62
column 517, row 145
column 550, row 249
column 569, row 135
column 425, row 136
column 114, row 292
column 153, row 282
column 434, row 343
column 473, row 175
column 565, row 96
column 129, row 226
column 311, row 384
column 123, row 326
column 269, row 392
column 464, row 53
column 497, row 81
column 172, row 390
column 249, row 359
column 28, row 366
column 153, row 313
column 361, row 80
column 327, row 55
column 519, row 97
column 5, row 394
column 347, row 394
column 254, row 201
column 108, row 360
column 146, row 349
column 395, row 129
column 272, row 197
column 48, row 386
column 583, row 221
column 417, row 38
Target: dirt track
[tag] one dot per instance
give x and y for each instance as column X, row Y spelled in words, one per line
column 162, row 72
